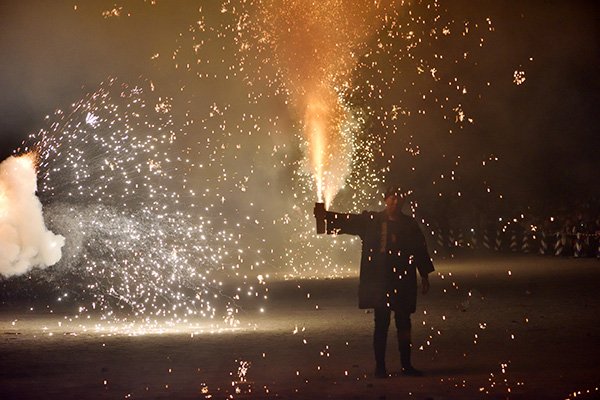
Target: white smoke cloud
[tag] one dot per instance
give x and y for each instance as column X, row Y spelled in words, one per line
column 25, row 242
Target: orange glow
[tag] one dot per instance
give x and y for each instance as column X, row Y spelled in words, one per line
column 316, row 46
column 321, row 131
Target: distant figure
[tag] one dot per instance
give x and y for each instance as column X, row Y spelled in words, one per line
column 393, row 249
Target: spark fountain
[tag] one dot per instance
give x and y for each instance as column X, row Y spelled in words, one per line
column 133, row 255
column 315, row 46
column 199, row 193
column 351, row 85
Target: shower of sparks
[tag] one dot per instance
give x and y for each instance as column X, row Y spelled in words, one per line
column 175, row 200
column 351, row 92
column 107, row 172
column 315, row 47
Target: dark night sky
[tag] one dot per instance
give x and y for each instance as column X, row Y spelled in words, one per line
column 545, row 131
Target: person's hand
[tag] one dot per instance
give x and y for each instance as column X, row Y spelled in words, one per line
column 319, row 211
column 424, row 284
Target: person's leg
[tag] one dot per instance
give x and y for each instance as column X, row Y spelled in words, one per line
column 382, row 323
column 403, row 326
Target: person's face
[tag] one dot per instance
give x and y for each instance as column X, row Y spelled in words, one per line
column 393, row 204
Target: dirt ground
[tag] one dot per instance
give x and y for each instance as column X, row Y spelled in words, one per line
column 490, row 328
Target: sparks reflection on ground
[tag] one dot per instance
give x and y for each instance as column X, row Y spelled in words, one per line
column 480, row 332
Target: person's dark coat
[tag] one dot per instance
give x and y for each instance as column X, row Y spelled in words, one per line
column 385, row 279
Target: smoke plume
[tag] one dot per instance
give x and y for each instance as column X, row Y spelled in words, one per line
column 25, row 242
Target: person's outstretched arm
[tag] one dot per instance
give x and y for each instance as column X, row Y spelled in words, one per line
column 346, row 223
column 342, row 223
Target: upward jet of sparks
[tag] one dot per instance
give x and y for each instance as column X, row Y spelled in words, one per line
column 315, row 45
column 321, row 130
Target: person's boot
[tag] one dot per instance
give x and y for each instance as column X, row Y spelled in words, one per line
column 380, row 371
column 379, row 345
column 405, row 355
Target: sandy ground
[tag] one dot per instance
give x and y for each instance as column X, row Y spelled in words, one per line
column 491, row 328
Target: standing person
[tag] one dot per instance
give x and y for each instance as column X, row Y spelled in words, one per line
column 393, row 249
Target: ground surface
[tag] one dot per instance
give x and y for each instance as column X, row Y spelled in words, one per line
column 490, row 328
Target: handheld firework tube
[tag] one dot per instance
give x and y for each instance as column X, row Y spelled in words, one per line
column 320, row 216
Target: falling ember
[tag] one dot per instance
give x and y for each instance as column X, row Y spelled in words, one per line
column 519, row 77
